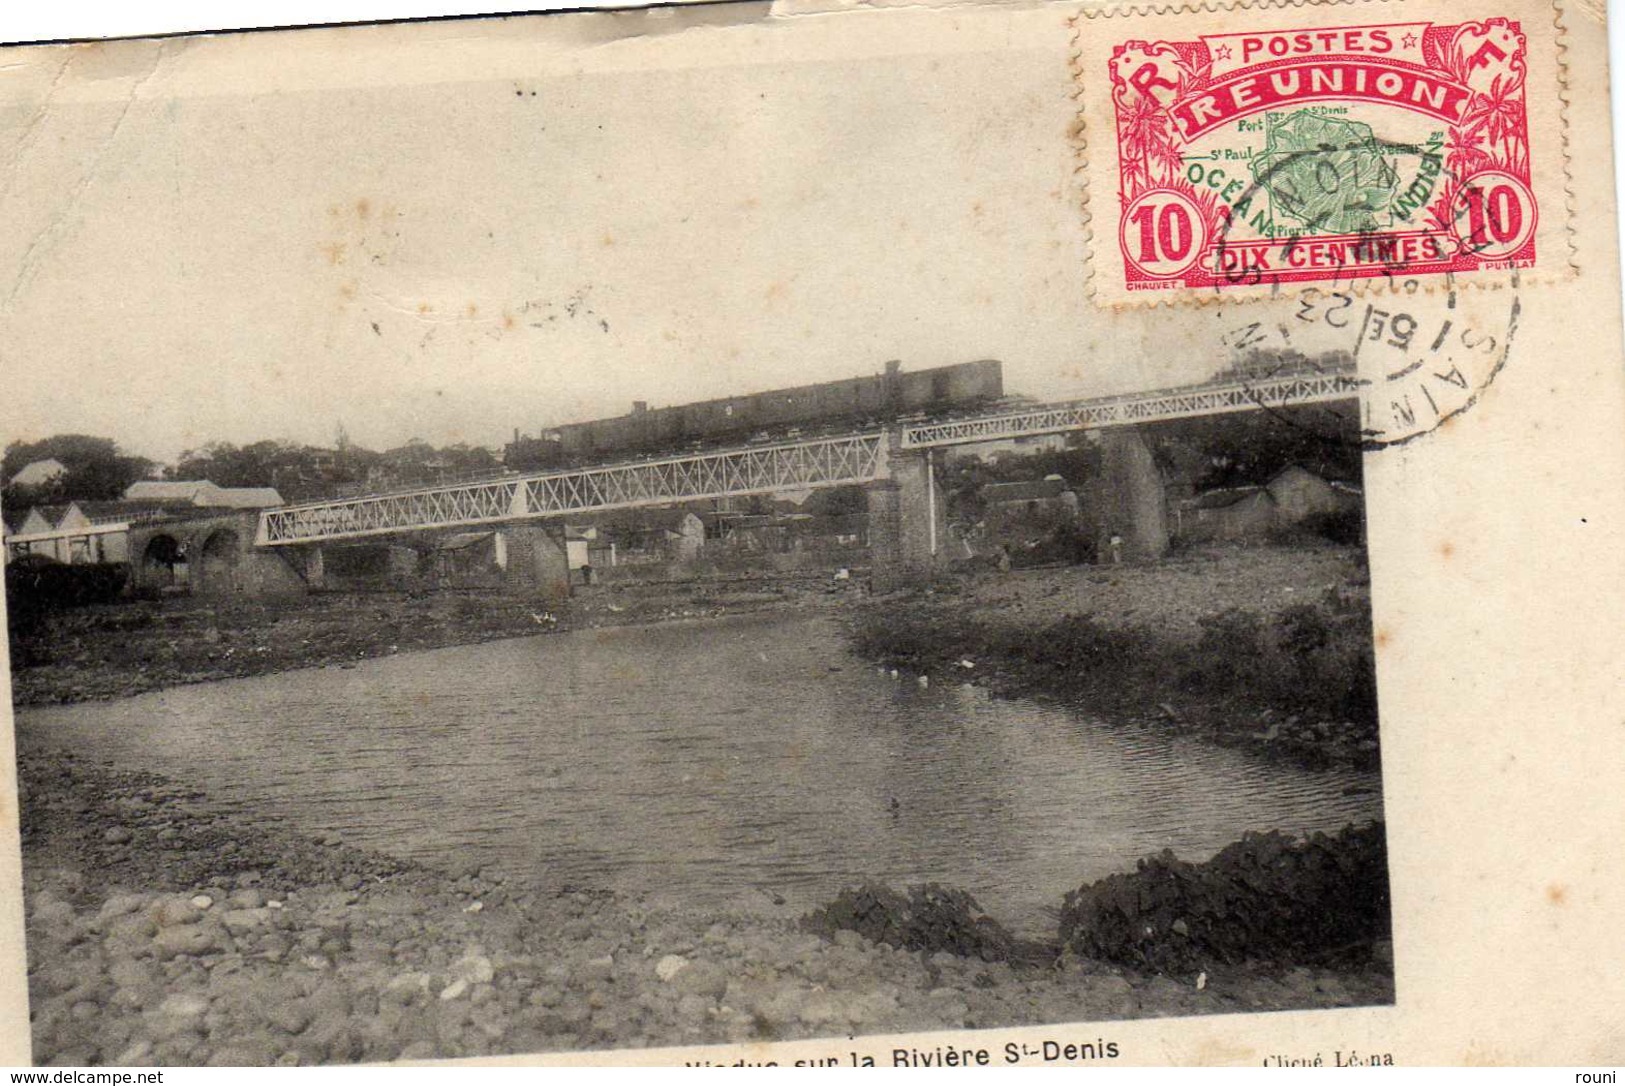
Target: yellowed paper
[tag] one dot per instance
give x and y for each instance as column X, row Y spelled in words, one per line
column 552, row 763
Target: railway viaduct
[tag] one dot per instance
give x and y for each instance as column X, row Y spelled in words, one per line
column 279, row 551
column 213, row 554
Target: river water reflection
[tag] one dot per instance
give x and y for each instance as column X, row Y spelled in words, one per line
column 719, row 763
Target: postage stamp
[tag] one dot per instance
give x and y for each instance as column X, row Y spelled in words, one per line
column 1260, row 156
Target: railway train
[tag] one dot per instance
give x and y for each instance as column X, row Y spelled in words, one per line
column 854, row 403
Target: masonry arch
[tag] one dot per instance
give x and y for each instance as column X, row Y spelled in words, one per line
column 218, row 561
column 163, row 563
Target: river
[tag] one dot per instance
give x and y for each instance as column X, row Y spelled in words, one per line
column 720, row 763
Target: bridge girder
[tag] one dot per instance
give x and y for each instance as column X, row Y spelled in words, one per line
column 766, row 469
column 1287, row 391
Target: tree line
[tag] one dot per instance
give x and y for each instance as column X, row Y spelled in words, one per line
column 96, row 469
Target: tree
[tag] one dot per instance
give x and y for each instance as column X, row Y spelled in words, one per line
column 95, row 470
column 1248, row 448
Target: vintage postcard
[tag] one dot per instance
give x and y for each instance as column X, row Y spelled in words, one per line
column 1003, row 534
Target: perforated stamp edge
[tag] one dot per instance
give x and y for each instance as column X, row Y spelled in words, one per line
column 1086, row 129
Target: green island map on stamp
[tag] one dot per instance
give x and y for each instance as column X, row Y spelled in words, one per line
column 1326, row 172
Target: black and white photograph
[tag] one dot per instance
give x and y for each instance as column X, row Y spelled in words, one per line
column 621, row 532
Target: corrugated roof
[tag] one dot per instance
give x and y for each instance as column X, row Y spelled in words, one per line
column 103, row 511
column 650, row 520
column 186, row 490
column 53, row 514
column 462, row 540
column 243, row 497
column 1225, row 497
column 202, row 493
column 1024, row 492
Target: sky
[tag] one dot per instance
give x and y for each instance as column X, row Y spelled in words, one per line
column 451, row 231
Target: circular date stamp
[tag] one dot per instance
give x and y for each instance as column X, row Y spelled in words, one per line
column 1416, row 360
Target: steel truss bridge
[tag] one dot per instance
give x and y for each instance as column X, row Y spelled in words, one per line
column 762, row 469
column 1295, row 390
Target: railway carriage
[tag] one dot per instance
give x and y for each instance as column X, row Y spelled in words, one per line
column 855, row 402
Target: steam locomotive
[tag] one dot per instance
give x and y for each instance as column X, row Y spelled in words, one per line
column 854, row 403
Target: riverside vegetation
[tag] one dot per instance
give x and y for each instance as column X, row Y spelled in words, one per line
column 1271, row 651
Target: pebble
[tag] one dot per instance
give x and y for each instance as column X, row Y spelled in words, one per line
column 404, row 988
column 821, row 1008
column 223, row 973
column 170, row 911
column 139, row 1054
column 669, row 966
column 188, row 939
column 183, row 1005
column 239, row 921
column 118, row 835
column 473, row 968
column 121, row 905
column 703, row 979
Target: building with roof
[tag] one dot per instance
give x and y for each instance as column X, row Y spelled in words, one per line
column 656, row 535
column 38, row 473
column 1292, row 498
column 471, row 559
column 195, row 492
column 77, row 532
column 1040, row 504
column 80, row 532
column 202, row 494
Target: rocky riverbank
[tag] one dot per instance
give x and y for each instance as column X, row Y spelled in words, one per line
column 116, row 650
column 1270, row 649
column 162, row 930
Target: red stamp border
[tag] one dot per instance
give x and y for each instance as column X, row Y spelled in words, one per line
column 1183, row 224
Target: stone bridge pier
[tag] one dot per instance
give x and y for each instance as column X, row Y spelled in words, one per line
column 214, row 555
column 908, row 519
column 1131, row 497
column 537, row 562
